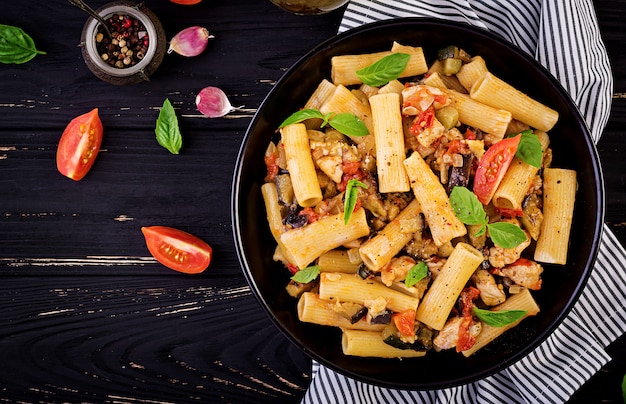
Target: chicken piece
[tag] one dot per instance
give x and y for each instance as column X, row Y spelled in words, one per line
column 449, row 335
column 490, row 292
column 419, row 98
column 499, row 257
column 522, row 272
column 397, row 269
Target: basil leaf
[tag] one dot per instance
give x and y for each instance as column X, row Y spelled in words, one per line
column 16, row 46
column 624, row 388
column 302, row 115
column 499, row 318
column 383, row 71
column 467, row 207
column 167, row 130
column 506, row 235
column 529, row 149
column 348, row 124
column 416, row 274
column 350, row 198
column 307, row 274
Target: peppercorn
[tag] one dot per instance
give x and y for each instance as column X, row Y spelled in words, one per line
column 128, row 43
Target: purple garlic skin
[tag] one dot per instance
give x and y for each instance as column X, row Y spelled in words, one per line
column 190, row 42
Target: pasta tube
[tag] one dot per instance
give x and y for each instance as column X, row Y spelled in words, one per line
column 389, row 139
column 520, row 301
column 495, row 92
column 306, row 243
column 306, row 186
column 445, row 289
column 559, row 192
column 443, row 223
column 352, row 288
column 371, row 344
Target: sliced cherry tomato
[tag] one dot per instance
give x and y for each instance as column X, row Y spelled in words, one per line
column 492, row 167
column 79, row 145
column 465, row 340
column 405, row 322
column 178, row 250
column 424, row 120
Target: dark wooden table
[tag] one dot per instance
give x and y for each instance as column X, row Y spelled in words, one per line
column 87, row 315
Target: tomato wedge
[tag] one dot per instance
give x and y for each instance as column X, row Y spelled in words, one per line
column 492, row 167
column 405, row 322
column 79, row 145
column 177, row 250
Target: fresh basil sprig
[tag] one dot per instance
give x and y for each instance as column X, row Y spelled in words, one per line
column 416, row 274
column 350, row 198
column 470, row 211
column 307, row 274
column 16, row 46
column 383, row 71
column 529, row 149
column 167, row 129
column 499, row 318
column 346, row 123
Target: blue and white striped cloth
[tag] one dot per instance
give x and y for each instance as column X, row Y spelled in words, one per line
column 564, row 37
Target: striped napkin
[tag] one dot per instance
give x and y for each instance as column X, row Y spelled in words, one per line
column 564, row 37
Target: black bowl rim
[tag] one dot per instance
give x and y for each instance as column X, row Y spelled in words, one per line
column 588, row 265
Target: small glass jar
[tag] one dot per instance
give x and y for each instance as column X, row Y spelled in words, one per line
column 309, row 7
column 126, row 74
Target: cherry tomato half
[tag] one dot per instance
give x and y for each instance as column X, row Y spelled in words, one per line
column 492, row 166
column 79, row 145
column 405, row 322
column 178, row 250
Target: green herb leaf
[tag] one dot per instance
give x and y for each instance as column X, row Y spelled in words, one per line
column 16, row 46
column 467, row 207
column 350, row 198
column 506, row 235
column 416, row 274
column 307, row 274
column 499, row 318
column 383, row 71
column 301, row 116
column 348, row 124
column 529, row 149
column 167, row 129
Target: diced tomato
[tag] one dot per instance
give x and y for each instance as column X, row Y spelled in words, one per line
column 177, row 250
column 508, row 212
column 79, row 145
column 492, row 167
column 465, row 340
column 292, row 268
column 469, row 134
column 405, row 322
column 467, row 297
column 272, row 167
column 351, row 167
column 523, row 262
column 311, row 215
column 358, row 175
column 424, row 120
column 457, row 146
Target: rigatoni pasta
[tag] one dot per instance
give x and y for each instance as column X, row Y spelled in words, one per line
column 372, row 227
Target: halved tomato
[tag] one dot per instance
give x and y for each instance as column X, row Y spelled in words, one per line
column 492, row 167
column 177, row 250
column 79, row 145
column 405, row 322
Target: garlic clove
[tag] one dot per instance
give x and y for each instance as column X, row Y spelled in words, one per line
column 213, row 102
column 191, row 41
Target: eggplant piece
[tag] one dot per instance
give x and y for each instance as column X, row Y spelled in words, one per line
column 295, row 219
column 358, row 315
column 383, row 318
column 459, row 176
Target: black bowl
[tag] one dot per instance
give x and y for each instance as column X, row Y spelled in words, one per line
column 573, row 148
